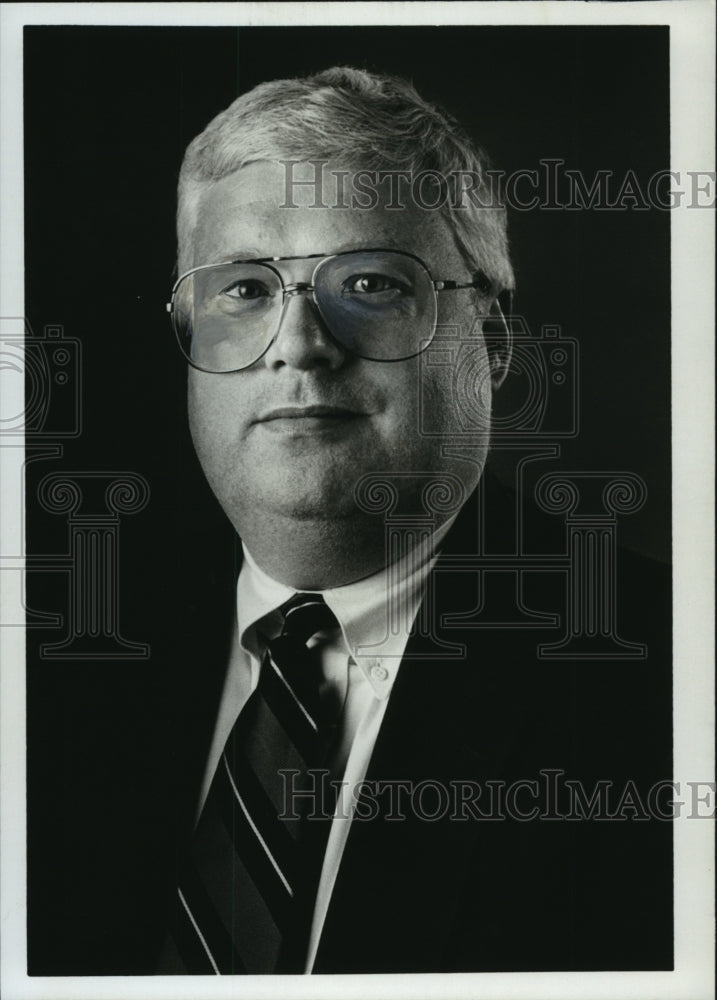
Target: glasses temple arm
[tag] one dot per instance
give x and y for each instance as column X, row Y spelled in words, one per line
column 481, row 282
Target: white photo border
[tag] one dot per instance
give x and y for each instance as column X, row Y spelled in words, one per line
column 692, row 60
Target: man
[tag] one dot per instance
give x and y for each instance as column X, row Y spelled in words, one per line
column 335, row 827
column 297, row 399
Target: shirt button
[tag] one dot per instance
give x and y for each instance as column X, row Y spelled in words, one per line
column 378, row 672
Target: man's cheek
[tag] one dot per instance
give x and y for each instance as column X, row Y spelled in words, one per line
column 435, row 413
column 208, row 425
column 194, row 403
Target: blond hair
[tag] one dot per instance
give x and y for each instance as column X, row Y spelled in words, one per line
column 352, row 116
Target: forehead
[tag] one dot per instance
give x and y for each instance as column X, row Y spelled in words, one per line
column 262, row 210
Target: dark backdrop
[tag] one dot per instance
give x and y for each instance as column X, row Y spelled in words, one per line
column 108, row 113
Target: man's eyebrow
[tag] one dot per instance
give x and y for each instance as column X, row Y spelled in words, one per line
column 253, row 253
column 376, row 243
column 243, row 253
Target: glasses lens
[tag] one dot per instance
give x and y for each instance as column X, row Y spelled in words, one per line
column 225, row 316
column 380, row 305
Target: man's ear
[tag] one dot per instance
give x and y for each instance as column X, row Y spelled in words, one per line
column 499, row 337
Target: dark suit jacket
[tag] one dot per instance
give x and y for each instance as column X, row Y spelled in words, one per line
column 116, row 757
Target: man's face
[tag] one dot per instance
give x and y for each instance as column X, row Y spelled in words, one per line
column 293, row 434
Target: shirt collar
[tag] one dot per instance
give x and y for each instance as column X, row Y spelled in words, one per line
column 375, row 614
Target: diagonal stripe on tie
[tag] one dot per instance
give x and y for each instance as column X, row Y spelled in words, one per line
column 246, row 892
column 292, row 722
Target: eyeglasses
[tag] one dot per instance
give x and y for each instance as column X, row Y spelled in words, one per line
column 380, row 305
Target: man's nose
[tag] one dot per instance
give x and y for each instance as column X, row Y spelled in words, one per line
column 303, row 341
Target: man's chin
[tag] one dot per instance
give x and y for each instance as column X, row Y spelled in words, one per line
column 318, row 502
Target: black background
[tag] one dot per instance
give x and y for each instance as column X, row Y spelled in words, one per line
column 109, row 111
column 108, row 114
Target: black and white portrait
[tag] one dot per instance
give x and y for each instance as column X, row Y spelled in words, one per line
column 347, row 496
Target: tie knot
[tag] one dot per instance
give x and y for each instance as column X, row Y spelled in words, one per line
column 305, row 615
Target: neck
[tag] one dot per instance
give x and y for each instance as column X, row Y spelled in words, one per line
column 321, row 554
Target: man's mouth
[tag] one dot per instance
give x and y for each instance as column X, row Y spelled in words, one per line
column 307, row 419
column 308, row 413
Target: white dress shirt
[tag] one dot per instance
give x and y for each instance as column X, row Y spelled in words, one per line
column 359, row 662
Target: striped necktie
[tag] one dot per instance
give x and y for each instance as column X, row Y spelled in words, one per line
column 246, row 894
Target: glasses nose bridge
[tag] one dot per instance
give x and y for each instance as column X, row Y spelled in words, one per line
column 302, row 337
column 296, row 274
column 294, row 288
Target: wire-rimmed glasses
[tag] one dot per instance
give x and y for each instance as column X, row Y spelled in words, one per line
column 380, row 305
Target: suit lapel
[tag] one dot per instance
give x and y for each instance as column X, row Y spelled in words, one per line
column 447, row 722
column 201, row 655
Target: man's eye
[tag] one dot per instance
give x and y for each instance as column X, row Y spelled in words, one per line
column 247, row 290
column 371, row 284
